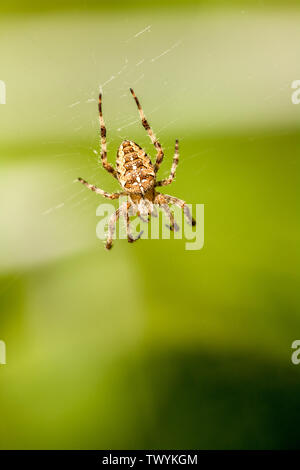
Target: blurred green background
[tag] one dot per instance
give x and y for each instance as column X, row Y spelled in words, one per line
column 150, row 345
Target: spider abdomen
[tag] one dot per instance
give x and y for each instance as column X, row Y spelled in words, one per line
column 134, row 168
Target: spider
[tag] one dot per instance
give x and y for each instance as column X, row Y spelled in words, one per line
column 137, row 176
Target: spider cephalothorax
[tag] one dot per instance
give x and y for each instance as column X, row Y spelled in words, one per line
column 137, row 176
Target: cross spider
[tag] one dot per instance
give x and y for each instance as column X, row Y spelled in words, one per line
column 137, row 176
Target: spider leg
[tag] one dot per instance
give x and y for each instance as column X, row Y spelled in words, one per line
column 99, row 191
column 173, row 226
column 111, row 228
column 107, row 166
column 166, row 199
column 155, row 142
column 173, row 169
column 127, row 220
column 154, row 211
column 182, row 204
column 143, row 219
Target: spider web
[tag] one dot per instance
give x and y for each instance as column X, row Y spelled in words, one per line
column 119, row 127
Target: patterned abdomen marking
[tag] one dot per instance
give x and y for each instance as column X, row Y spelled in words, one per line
column 134, row 168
